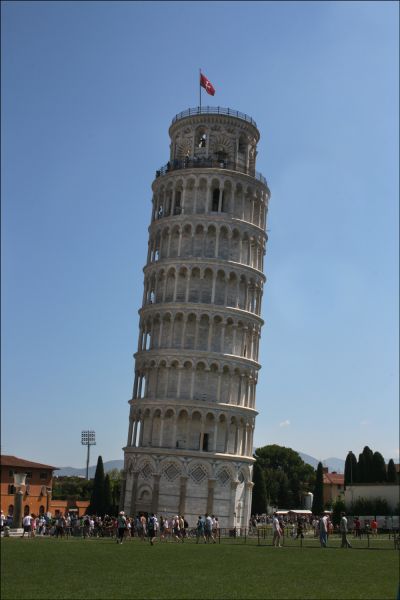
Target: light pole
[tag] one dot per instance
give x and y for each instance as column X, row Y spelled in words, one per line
column 88, row 438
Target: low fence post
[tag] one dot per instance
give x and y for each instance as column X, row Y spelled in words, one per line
column 245, row 535
column 219, row 536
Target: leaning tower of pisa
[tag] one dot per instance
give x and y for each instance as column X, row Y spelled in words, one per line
column 192, row 412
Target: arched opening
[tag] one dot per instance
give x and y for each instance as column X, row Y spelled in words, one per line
column 172, row 390
column 177, row 331
column 182, row 429
column 190, row 332
column 202, row 341
column 223, row 244
column 168, row 429
column 195, row 431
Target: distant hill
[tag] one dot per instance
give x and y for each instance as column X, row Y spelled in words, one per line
column 334, row 464
column 74, row 472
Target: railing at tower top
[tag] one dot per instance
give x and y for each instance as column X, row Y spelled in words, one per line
column 202, row 163
column 213, row 110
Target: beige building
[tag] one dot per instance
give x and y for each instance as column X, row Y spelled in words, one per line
column 333, row 486
column 192, row 412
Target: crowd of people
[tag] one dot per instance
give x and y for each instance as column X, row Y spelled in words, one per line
column 145, row 527
column 151, row 527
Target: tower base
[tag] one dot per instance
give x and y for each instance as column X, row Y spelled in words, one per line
column 169, row 482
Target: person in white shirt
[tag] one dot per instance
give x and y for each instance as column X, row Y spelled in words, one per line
column 323, row 531
column 208, row 529
column 344, row 531
column 26, row 524
column 277, row 532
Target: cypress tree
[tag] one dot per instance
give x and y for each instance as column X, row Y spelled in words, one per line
column 392, row 476
column 107, row 495
column 361, row 469
column 318, row 500
column 259, row 499
column 368, row 465
column 350, row 469
column 97, row 500
column 379, row 468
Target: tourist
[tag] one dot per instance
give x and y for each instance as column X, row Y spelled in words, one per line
column 182, row 525
column 142, row 527
column 344, row 530
column 300, row 533
column 208, row 529
column 26, row 524
column 374, row 527
column 215, row 527
column 121, row 525
column 2, row 520
column 151, row 528
column 357, row 527
column 200, row 530
column 176, row 528
column 323, row 531
column 162, row 528
column 277, row 531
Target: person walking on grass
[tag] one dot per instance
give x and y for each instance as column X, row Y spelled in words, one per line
column 200, row 530
column 26, row 524
column 344, row 530
column 208, row 529
column 151, row 528
column 121, row 526
column 277, row 531
column 323, row 531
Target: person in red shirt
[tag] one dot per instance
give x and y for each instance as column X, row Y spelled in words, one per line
column 374, row 527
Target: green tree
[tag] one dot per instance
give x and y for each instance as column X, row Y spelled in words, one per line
column 108, row 503
column 71, row 488
column 97, row 500
column 350, row 469
column 366, row 465
column 115, row 481
column 378, row 468
column 337, row 507
column 259, row 498
column 361, row 469
column 392, row 476
column 287, row 476
column 318, row 500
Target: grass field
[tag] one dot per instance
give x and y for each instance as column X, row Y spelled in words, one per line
column 99, row 568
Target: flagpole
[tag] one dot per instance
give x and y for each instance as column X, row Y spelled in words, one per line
column 200, row 88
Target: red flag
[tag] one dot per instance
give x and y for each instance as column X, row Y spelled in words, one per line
column 207, row 85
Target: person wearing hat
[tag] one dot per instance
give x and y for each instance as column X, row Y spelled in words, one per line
column 121, row 526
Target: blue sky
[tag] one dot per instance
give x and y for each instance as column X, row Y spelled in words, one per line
column 88, row 92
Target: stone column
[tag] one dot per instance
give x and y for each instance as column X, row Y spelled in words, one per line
column 232, row 511
column 17, row 514
column 210, row 496
column 135, row 433
column 182, row 494
column 156, row 492
column 247, row 503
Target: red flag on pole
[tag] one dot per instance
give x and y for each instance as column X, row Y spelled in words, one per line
column 207, row 85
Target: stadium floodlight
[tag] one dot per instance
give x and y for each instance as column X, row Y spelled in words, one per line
column 88, row 438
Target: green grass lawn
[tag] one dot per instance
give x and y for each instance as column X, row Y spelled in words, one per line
column 76, row 568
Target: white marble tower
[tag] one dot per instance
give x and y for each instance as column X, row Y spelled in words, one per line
column 192, row 412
